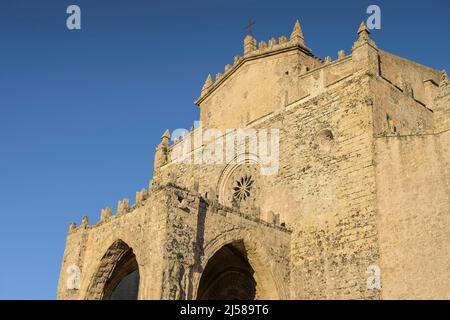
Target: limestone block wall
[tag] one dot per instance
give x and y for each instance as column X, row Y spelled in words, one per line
column 406, row 74
column 413, row 195
column 398, row 113
column 404, row 96
column 318, row 79
column 256, row 88
column 334, row 238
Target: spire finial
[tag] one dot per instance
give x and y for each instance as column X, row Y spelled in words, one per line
column 165, row 137
column 364, row 38
column 363, row 31
column 297, row 34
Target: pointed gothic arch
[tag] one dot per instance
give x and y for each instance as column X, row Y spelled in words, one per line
column 228, row 275
column 117, row 276
column 252, row 267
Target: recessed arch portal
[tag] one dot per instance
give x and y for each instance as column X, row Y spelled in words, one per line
column 253, row 255
column 117, row 277
column 228, row 275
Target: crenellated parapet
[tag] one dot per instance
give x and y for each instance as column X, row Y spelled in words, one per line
column 106, row 214
column 191, row 202
column 85, row 221
column 341, row 54
column 122, row 206
column 183, row 199
column 364, row 48
column 249, row 45
column 72, row 227
column 141, row 196
column 253, row 49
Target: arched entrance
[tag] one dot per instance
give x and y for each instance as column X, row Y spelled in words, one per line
column 228, row 275
column 123, row 283
column 117, row 277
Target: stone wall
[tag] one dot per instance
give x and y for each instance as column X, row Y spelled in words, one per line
column 232, row 105
column 335, row 236
column 406, row 74
column 414, row 215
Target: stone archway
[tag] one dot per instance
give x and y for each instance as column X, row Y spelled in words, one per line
column 117, row 277
column 228, row 275
column 267, row 281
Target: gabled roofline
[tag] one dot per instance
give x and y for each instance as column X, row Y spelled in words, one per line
column 254, row 56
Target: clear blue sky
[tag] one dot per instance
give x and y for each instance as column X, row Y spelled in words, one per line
column 82, row 111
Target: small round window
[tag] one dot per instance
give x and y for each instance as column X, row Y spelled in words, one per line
column 325, row 140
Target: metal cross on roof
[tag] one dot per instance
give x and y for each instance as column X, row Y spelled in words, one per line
column 249, row 27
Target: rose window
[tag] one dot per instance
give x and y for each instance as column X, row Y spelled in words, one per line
column 243, row 188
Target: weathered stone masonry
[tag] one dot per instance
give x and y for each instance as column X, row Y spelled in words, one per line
column 364, row 180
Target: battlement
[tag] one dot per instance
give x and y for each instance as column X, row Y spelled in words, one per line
column 253, row 50
column 106, row 214
column 184, row 199
column 189, row 201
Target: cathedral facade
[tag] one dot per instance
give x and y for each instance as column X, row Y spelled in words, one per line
column 355, row 204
